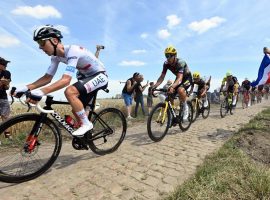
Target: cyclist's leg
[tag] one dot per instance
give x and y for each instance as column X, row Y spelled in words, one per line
column 181, row 90
column 77, row 95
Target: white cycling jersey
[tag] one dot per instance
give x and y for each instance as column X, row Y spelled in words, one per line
column 79, row 58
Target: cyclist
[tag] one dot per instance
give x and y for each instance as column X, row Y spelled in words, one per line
column 260, row 93
column 75, row 57
column 245, row 88
column 183, row 76
column 201, row 88
column 231, row 86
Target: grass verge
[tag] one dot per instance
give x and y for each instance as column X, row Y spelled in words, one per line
column 232, row 172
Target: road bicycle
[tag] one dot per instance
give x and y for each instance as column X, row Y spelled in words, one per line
column 226, row 104
column 165, row 115
column 199, row 108
column 245, row 100
column 37, row 139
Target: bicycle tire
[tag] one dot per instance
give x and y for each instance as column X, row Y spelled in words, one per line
column 184, row 125
column 195, row 110
column 22, row 169
column 206, row 111
column 107, row 120
column 223, row 108
column 154, row 123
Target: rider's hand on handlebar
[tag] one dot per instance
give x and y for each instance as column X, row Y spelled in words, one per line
column 171, row 90
column 35, row 96
column 19, row 92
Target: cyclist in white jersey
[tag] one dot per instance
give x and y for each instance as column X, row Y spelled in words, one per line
column 93, row 73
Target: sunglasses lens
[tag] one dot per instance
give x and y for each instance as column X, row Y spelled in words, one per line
column 41, row 42
column 167, row 55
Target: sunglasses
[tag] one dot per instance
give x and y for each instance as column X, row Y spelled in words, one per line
column 41, row 42
column 168, row 55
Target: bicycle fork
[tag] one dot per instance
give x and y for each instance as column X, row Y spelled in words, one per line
column 32, row 139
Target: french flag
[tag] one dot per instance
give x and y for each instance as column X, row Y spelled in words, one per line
column 264, row 72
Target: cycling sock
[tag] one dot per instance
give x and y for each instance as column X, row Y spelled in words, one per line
column 234, row 100
column 83, row 117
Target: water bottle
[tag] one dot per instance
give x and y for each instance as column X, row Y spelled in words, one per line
column 69, row 120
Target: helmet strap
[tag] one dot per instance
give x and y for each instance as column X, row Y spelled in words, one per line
column 54, row 46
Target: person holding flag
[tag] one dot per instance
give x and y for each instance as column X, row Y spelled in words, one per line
column 264, row 70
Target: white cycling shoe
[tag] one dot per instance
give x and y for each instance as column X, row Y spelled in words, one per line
column 82, row 130
column 185, row 116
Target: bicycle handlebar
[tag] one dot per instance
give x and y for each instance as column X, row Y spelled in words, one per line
column 160, row 90
column 40, row 109
column 12, row 91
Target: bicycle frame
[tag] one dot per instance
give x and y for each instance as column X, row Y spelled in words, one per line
column 168, row 104
column 66, row 126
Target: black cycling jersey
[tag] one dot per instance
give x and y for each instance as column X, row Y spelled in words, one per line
column 180, row 66
column 200, row 83
column 246, row 84
column 260, row 88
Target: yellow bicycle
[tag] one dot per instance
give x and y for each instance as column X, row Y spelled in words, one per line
column 164, row 115
column 226, row 104
column 199, row 108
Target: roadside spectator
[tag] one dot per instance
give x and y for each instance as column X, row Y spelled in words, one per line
column 139, row 94
column 150, row 98
column 128, row 91
column 5, row 78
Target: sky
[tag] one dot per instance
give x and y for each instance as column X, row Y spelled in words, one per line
column 213, row 37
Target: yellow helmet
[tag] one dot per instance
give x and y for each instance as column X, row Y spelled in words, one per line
column 196, row 75
column 170, row 50
column 229, row 73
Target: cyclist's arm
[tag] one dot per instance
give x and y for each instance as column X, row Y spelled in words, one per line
column 204, row 90
column 44, row 80
column 179, row 78
column 191, row 89
column 160, row 80
column 63, row 82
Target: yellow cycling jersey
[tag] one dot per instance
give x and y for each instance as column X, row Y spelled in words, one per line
column 224, row 80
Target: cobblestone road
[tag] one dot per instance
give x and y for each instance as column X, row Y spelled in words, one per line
column 140, row 169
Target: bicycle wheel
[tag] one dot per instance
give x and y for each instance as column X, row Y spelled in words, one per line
column 206, row 110
column 223, row 108
column 185, row 124
column 196, row 108
column 109, row 131
column 25, row 157
column 158, row 122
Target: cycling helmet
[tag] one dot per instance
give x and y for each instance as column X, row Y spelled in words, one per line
column 229, row 73
column 170, row 50
column 46, row 32
column 196, row 75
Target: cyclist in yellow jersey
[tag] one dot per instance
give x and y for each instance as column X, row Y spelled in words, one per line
column 231, row 86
